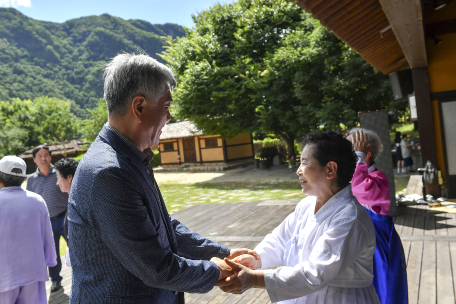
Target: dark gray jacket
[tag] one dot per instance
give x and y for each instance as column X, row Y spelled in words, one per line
column 124, row 247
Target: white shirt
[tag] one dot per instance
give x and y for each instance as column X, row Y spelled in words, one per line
column 327, row 257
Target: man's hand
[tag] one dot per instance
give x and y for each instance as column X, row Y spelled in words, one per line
column 239, row 251
column 243, row 279
column 225, row 270
column 248, row 261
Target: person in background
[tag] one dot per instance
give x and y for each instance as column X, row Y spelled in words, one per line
column 66, row 168
column 44, row 183
column 406, row 153
column 400, row 159
column 372, row 190
column 26, row 241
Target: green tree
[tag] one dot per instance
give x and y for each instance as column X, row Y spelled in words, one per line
column 268, row 66
column 16, row 131
column 97, row 118
column 54, row 121
column 25, row 123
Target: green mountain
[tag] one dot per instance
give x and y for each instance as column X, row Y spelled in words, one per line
column 65, row 60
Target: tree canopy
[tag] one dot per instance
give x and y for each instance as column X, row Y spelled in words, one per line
column 266, row 65
column 26, row 123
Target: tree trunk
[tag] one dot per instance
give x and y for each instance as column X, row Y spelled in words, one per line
column 289, row 139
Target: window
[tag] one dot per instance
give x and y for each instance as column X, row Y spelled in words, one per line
column 211, row 143
column 168, row 146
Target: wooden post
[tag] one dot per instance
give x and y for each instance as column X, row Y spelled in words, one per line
column 425, row 123
column 225, row 157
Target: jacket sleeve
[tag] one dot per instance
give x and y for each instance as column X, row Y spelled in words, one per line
column 192, row 245
column 371, row 189
column 272, row 247
column 120, row 215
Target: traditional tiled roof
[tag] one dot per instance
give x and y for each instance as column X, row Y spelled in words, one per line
column 179, row 130
column 71, row 147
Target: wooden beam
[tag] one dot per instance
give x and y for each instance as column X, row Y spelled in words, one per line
column 406, row 19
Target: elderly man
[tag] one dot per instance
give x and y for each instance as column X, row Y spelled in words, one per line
column 44, row 182
column 124, row 246
column 26, row 241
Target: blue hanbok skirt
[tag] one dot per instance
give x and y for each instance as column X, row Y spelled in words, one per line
column 390, row 274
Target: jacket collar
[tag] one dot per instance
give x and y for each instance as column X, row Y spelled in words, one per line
column 118, row 144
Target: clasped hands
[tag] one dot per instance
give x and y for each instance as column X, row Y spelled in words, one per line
column 238, row 271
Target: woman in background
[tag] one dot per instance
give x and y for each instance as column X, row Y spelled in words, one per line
column 66, row 168
column 371, row 188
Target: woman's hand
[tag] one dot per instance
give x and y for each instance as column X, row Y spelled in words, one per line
column 360, row 142
column 248, row 261
column 239, row 251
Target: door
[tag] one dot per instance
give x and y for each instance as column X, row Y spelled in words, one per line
column 189, row 150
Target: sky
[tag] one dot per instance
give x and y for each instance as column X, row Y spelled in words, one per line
column 153, row 11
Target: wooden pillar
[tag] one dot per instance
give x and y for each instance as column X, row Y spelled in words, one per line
column 199, row 147
column 225, row 155
column 425, row 122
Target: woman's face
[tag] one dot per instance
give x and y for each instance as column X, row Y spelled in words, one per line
column 64, row 183
column 312, row 176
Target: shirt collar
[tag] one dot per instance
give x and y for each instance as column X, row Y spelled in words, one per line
column 51, row 171
column 371, row 169
column 337, row 198
column 145, row 156
column 14, row 188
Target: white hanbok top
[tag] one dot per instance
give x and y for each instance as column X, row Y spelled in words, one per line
column 326, row 257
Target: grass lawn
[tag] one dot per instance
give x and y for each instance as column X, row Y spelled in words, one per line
column 401, row 184
column 179, row 196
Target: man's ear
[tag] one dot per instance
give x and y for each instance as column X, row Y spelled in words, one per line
column 137, row 105
column 331, row 170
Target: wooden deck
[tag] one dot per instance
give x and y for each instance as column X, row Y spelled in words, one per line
column 428, row 237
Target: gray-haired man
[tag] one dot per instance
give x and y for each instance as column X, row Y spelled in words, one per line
column 124, row 246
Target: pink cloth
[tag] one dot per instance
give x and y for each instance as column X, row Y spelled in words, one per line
column 371, row 189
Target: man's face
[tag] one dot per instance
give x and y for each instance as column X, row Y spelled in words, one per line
column 43, row 159
column 155, row 115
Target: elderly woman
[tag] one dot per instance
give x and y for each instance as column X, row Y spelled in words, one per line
column 369, row 185
column 66, row 168
column 371, row 188
column 325, row 246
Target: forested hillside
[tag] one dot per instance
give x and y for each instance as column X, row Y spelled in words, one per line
column 65, row 60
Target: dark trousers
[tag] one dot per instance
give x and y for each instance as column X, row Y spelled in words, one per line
column 57, row 230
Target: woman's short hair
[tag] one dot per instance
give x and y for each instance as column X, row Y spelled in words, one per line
column 66, row 166
column 128, row 75
column 9, row 180
column 330, row 146
column 372, row 138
